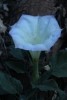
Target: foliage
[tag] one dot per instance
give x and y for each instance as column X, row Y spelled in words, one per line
column 46, row 82
column 9, row 85
column 59, row 64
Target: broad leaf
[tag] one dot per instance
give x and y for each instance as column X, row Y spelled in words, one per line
column 49, row 85
column 22, row 97
column 45, row 76
column 17, row 53
column 17, row 66
column 62, row 95
column 59, row 64
column 2, row 91
column 29, row 95
column 9, row 84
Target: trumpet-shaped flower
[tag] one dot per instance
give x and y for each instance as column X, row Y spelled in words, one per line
column 35, row 33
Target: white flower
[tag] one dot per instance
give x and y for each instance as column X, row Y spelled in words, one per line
column 35, row 33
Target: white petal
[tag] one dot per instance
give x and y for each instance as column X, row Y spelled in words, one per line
column 28, row 24
column 35, row 33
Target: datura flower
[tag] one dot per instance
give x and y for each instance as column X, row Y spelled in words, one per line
column 35, row 33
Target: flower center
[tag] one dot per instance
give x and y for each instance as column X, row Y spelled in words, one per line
column 35, row 40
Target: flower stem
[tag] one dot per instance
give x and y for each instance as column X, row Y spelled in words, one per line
column 35, row 71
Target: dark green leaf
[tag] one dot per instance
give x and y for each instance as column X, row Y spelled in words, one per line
column 29, row 95
column 17, row 53
column 22, row 97
column 17, row 66
column 51, row 85
column 60, row 71
column 59, row 64
column 2, row 91
column 45, row 76
column 62, row 95
column 48, row 85
column 9, row 84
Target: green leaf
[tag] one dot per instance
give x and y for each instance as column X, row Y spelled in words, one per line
column 17, row 53
column 62, row 95
column 28, row 95
column 22, row 97
column 45, row 76
column 59, row 64
column 60, row 71
column 2, row 91
column 49, row 85
column 17, row 66
column 9, row 84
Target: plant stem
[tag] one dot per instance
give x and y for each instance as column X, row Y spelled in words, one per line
column 35, row 70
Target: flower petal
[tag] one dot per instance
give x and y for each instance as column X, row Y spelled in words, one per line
column 35, row 33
